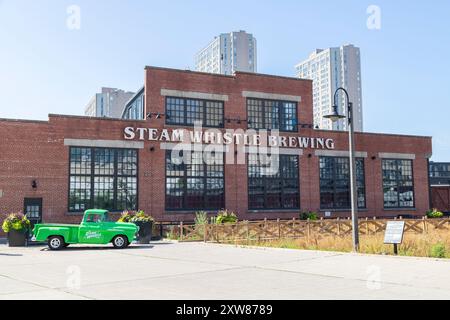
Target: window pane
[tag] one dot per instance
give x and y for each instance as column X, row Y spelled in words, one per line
column 256, row 193
column 214, row 114
column 272, row 114
column 255, row 114
column 126, row 193
column 175, row 111
column 101, row 186
column 188, row 111
column 127, row 162
column 104, row 193
column 273, row 190
column 175, row 166
column 79, row 193
column 398, row 185
column 361, row 183
column 174, row 193
column 215, row 193
column 335, row 183
column 194, row 112
column 80, row 161
column 104, row 162
column 197, row 184
column 289, row 116
column 273, row 194
column 195, row 193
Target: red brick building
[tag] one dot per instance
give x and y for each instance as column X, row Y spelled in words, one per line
column 60, row 167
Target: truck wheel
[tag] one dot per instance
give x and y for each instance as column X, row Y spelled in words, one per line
column 56, row 243
column 120, row 242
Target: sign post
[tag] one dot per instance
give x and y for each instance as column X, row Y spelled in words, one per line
column 394, row 234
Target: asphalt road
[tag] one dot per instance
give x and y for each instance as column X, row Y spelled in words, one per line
column 166, row 270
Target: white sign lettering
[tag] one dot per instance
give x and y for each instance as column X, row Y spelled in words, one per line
column 227, row 138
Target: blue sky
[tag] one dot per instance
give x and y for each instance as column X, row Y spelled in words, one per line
column 47, row 68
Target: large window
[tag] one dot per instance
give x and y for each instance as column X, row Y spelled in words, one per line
column 273, row 182
column 335, row 183
column 398, row 185
column 187, row 111
column 439, row 170
column 439, row 173
column 103, row 179
column 271, row 115
column 195, row 181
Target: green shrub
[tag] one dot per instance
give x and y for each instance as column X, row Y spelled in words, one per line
column 201, row 218
column 309, row 215
column 225, row 216
column 434, row 214
column 132, row 216
column 438, row 251
column 16, row 221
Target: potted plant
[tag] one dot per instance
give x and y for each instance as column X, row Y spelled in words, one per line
column 16, row 226
column 143, row 221
column 126, row 216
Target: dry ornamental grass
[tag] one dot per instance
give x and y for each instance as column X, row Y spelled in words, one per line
column 434, row 244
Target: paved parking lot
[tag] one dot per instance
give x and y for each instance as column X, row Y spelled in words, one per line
column 166, row 270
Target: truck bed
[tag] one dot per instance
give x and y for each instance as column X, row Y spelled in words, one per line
column 68, row 231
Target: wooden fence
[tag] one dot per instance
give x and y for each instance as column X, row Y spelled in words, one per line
column 293, row 229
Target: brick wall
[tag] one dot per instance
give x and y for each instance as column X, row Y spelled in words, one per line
column 32, row 150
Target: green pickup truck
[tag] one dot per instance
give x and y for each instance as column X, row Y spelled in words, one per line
column 94, row 229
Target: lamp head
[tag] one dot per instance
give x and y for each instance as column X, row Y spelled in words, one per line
column 334, row 116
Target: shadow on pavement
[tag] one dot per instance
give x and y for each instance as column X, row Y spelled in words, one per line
column 110, row 248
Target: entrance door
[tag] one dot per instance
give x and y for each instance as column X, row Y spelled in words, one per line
column 33, row 210
column 440, row 197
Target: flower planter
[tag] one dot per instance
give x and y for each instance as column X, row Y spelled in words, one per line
column 145, row 232
column 17, row 238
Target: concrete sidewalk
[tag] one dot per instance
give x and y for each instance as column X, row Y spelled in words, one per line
column 166, row 270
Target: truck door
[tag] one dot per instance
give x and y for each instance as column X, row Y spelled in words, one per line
column 91, row 231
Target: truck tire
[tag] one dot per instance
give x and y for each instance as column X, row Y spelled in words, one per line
column 120, row 242
column 56, row 243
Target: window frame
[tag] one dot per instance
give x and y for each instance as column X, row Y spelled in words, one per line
column 397, row 184
column 437, row 170
column 281, row 112
column 265, row 179
column 363, row 180
column 185, row 112
column 185, row 178
column 92, row 177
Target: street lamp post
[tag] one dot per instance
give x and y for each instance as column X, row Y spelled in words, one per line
column 335, row 116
